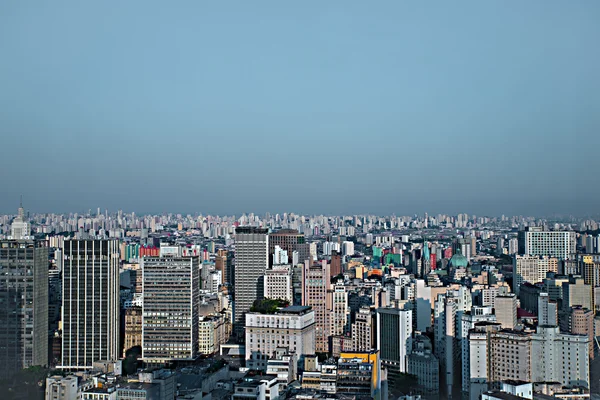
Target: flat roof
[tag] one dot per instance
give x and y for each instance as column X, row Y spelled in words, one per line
column 295, row 309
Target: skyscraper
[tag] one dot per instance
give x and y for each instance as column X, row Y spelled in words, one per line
column 170, row 309
column 535, row 241
column 251, row 262
column 394, row 340
column 506, row 310
column 316, row 281
column 23, row 305
column 290, row 240
column 90, row 304
column 20, row 228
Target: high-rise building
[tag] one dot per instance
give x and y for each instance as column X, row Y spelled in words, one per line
column 90, row 307
column 468, row 320
column 535, row 241
column 292, row 327
column 336, row 263
column 23, row 305
column 363, row 330
column 506, row 310
column 278, row 283
column 170, row 309
column 558, row 357
column 589, row 265
column 510, row 353
column 251, row 262
column 339, row 312
column 315, row 284
column 532, row 269
column 394, row 339
column 576, row 293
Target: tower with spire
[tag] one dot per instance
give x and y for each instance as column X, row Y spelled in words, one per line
column 20, row 228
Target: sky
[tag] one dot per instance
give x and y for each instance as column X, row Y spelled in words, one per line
column 336, row 107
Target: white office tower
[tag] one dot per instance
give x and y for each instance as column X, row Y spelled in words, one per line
column 278, row 283
column 394, row 339
column 422, row 305
column 467, row 322
column 20, row 228
column 170, row 309
column 560, row 357
column 535, row 241
column 90, row 303
column 280, row 256
column 547, row 311
column 251, row 262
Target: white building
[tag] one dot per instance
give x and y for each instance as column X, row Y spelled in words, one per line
column 61, row 388
column 534, row 241
column 547, row 311
column 280, row 256
column 468, row 321
column 278, row 283
column 292, row 327
column 560, row 357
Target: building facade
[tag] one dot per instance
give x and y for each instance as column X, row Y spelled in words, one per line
column 90, row 306
column 170, row 309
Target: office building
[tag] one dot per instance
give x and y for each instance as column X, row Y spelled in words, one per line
column 532, row 269
column 315, row 284
column 251, row 262
column 336, row 263
column 589, row 265
column 394, row 339
column 278, row 283
column 212, row 333
column 468, row 321
column 510, row 353
column 90, row 304
column 582, row 323
column 292, row 327
column 506, row 310
column 20, row 228
column 535, row 241
column 363, row 330
column 170, row 309
column 61, row 387
column 23, row 305
column 339, row 312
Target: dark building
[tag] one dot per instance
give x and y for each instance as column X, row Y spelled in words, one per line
column 23, row 305
column 336, row 263
column 290, row 240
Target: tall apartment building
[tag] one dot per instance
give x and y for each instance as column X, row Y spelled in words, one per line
column 339, row 312
column 251, row 262
column 133, row 328
column 479, row 370
column 170, row 309
column 560, row 357
column 314, row 294
column 292, row 327
column 363, row 330
column 278, row 283
column 535, row 241
column 506, row 311
column 394, row 339
column 532, row 269
column 90, row 303
column 23, row 305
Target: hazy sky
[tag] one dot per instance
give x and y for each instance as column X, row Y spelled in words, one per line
column 484, row 107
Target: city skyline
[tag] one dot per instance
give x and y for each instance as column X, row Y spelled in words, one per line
column 336, row 108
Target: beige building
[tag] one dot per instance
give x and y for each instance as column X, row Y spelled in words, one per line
column 212, row 333
column 339, row 312
column 506, row 310
column 532, row 269
column 278, row 283
column 315, row 282
column 582, row 323
column 363, row 330
column 133, row 328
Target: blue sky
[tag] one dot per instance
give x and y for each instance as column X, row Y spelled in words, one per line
column 485, row 107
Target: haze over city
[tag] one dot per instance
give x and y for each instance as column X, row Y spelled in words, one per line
column 338, row 107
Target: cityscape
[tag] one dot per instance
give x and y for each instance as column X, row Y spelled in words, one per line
column 277, row 200
column 115, row 305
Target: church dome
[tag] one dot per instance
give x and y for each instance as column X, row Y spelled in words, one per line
column 458, row 261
